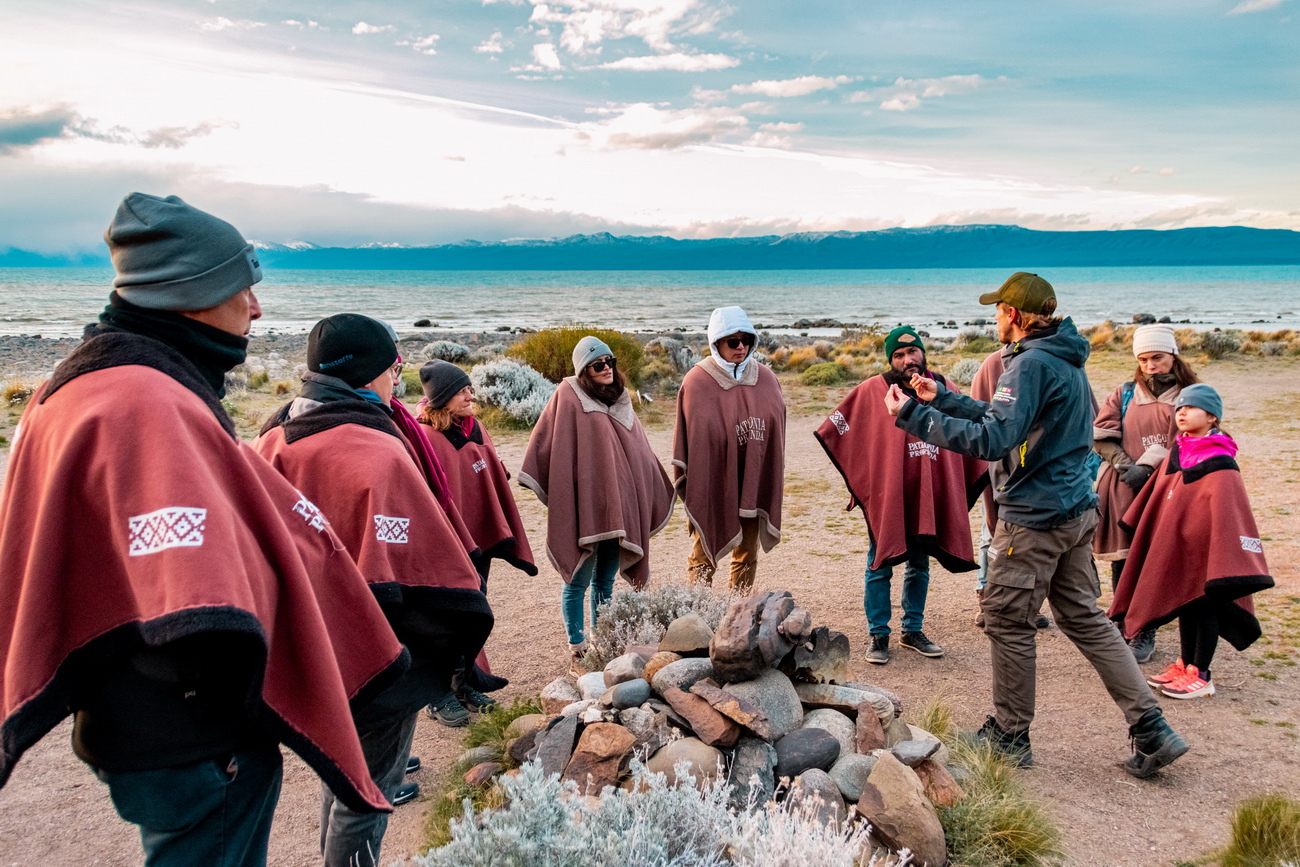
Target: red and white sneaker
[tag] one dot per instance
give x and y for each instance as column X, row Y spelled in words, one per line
column 1173, row 672
column 1190, row 685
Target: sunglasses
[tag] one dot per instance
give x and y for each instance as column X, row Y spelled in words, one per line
column 737, row 342
column 599, row 365
column 396, row 369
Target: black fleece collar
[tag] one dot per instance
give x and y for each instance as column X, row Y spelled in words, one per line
column 458, row 439
column 330, row 415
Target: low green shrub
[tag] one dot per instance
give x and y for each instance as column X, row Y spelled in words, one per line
column 258, row 379
column 1216, row 343
column 826, row 373
column 550, row 351
column 1265, row 832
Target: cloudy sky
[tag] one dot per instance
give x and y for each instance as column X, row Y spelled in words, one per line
column 349, row 122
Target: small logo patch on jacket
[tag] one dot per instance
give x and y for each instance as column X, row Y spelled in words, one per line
column 918, row 449
column 841, row 423
column 311, row 514
column 393, row 530
column 480, row 465
column 172, row 527
column 1004, row 395
column 752, row 428
column 1251, row 544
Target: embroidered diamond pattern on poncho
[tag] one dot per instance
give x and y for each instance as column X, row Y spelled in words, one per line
column 173, row 527
column 391, row 529
column 1251, row 544
column 840, row 422
column 311, row 513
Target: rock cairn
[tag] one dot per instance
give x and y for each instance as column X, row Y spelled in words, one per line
column 765, row 701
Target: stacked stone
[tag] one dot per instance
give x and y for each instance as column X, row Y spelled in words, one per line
column 766, row 701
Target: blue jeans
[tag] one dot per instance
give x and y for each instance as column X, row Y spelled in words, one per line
column 598, row 572
column 916, row 587
column 352, row 839
column 215, row 813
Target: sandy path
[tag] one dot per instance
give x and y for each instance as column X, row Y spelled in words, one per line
column 1243, row 741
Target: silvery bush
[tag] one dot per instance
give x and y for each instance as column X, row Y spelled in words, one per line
column 963, row 372
column 547, row 823
column 447, row 350
column 517, row 389
column 642, row 617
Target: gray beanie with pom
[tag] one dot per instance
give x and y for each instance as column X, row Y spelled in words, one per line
column 171, row 256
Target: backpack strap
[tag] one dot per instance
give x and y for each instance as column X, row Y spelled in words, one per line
column 1126, row 397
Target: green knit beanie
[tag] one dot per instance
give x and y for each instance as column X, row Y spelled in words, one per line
column 902, row 337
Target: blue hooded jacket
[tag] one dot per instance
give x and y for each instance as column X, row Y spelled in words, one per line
column 1036, row 433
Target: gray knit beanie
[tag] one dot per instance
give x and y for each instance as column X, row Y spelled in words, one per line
column 588, row 350
column 170, row 256
column 1200, row 395
column 441, row 380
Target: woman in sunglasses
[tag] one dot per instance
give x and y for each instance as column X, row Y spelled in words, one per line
column 729, row 453
column 606, row 493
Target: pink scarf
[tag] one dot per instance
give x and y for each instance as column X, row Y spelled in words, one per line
column 414, row 433
column 1193, row 450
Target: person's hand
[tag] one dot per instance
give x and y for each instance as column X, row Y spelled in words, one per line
column 894, row 399
column 1136, row 476
column 926, row 388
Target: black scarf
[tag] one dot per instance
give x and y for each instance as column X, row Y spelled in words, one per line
column 211, row 350
column 1159, row 383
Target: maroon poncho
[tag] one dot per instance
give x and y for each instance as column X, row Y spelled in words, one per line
column 729, row 454
column 592, row 467
column 1193, row 535
column 434, row 474
column 1144, row 432
column 909, row 490
column 480, row 486
column 133, row 516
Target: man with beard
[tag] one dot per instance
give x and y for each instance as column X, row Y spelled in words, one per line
column 1038, row 429
column 915, row 498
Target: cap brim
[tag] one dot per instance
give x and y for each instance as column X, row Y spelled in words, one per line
column 990, row 297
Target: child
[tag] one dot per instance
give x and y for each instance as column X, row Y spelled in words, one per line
column 1195, row 547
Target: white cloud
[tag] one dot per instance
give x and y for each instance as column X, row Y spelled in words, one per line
column 424, row 45
column 361, row 28
column 677, row 62
column 1254, row 6
column 546, row 57
column 223, row 23
column 491, row 45
column 642, row 126
column 774, row 135
column 585, row 24
column 1135, row 170
column 1168, row 171
column 801, row 86
column 309, row 24
column 906, row 94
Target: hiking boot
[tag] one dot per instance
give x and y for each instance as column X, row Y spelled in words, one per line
column 406, row 792
column 1174, row 671
column 1155, row 744
column 979, row 603
column 413, row 764
column 1042, row 622
column 1190, row 685
column 922, row 645
column 1014, row 746
column 475, row 700
column 449, row 711
column 879, row 652
column 1143, row 645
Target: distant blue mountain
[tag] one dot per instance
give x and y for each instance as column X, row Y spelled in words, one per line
column 931, row 247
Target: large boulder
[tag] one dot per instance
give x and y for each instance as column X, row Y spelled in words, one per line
column 624, row 668
column 749, row 715
column 940, row 755
column 845, row 699
column 752, row 772
column 841, row 727
column 894, row 802
column 592, row 684
column 703, row 762
column 629, row 693
column 688, row 635
column 558, row 694
column 912, row 753
column 775, row 696
column 879, row 690
column 824, row 658
column 600, row 758
column 647, row 727
column 803, row 749
column 850, row 773
column 896, row 732
column 529, row 722
column 682, row 674
column 709, row 726
column 940, row 786
column 756, row 633
column 578, row 708
column 816, row 792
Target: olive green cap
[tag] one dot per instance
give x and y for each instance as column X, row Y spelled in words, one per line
column 1026, row 292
